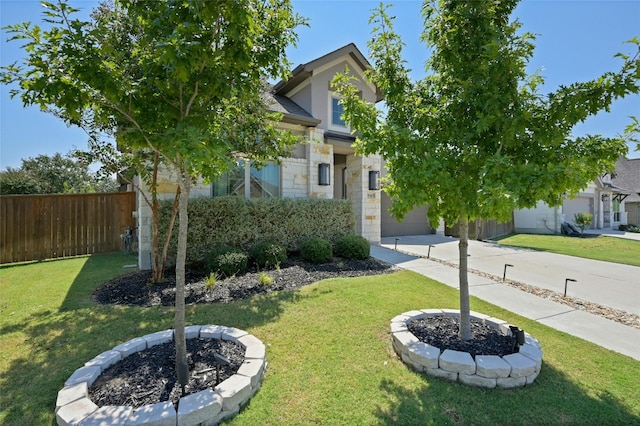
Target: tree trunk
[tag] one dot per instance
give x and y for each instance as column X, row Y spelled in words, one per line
column 465, row 321
column 167, row 238
column 182, row 368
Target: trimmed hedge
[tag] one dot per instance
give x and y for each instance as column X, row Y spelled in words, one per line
column 238, row 222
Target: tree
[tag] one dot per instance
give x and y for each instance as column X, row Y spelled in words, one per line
column 182, row 79
column 474, row 139
column 18, row 181
column 145, row 165
column 632, row 133
column 55, row 174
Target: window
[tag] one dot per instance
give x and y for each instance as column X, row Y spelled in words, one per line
column 249, row 182
column 336, row 112
column 616, row 210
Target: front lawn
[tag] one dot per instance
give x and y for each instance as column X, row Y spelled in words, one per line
column 328, row 347
column 609, row 249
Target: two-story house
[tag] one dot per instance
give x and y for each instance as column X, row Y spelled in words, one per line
column 325, row 166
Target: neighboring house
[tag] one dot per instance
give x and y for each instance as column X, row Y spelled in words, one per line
column 627, row 177
column 323, row 167
column 611, row 199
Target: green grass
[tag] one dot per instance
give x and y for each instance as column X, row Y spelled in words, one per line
column 328, row 347
column 609, row 249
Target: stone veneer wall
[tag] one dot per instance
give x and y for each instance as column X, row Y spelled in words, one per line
column 366, row 203
column 488, row 371
column 319, row 152
column 207, row 408
column 295, row 177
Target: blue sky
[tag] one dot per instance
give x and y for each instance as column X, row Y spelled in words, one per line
column 576, row 41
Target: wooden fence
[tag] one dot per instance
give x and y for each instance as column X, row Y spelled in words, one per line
column 483, row 229
column 37, row 227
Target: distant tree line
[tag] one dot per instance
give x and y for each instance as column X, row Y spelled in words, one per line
column 57, row 174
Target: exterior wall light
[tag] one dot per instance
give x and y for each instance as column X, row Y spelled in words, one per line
column 323, row 174
column 605, row 197
column 374, row 184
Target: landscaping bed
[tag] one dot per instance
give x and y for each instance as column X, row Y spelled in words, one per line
column 135, row 288
column 131, row 382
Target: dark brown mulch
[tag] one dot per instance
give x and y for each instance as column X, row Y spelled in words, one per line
column 135, row 288
column 148, row 377
column 442, row 332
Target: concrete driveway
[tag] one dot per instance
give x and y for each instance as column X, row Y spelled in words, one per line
column 605, row 283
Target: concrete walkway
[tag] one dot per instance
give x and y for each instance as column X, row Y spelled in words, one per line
column 605, row 283
column 612, row 233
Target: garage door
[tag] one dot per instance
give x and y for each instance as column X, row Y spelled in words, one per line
column 577, row 205
column 414, row 223
column 633, row 213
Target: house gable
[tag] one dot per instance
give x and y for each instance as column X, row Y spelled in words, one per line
column 303, row 72
column 310, row 84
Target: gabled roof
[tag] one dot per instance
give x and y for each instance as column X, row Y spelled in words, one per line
column 291, row 111
column 627, row 175
column 305, row 71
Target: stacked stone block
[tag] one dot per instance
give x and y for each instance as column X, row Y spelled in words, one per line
column 488, row 371
column 205, row 408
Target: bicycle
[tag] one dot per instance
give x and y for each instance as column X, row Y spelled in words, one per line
column 128, row 238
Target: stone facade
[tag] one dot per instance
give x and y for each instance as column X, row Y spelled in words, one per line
column 306, row 103
column 366, row 202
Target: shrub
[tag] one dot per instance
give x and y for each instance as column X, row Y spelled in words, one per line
column 353, row 247
column 211, row 280
column 316, row 250
column 583, row 220
column 268, row 254
column 238, row 222
column 629, row 228
column 265, row 279
column 227, row 261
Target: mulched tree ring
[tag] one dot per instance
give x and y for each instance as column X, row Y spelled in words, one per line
column 149, row 376
column 491, row 358
column 134, row 383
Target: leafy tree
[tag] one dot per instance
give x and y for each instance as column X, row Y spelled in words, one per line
column 128, row 166
column 181, row 79
column 474, row 139
column 632, row 133
column 19, row 181
column 55, row 174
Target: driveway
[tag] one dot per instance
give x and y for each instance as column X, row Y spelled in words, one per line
column 605, row 283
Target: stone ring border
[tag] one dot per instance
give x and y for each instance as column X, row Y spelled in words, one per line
column 207, row 407
column 488, row 371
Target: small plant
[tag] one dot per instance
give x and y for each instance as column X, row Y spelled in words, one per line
column 629, row 228
column 269, row 254
column 316, row 250
column 227, row 261
column 353, row 247
column 583, row 220
column 265, row 279
column 211, row 280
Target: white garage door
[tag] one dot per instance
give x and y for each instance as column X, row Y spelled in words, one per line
column 577, row 205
